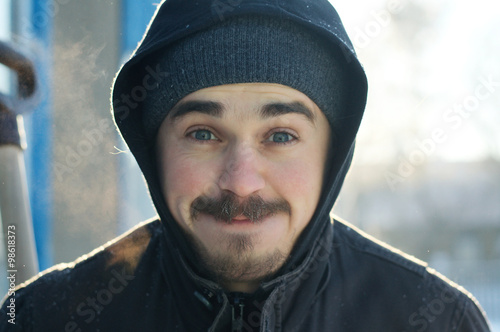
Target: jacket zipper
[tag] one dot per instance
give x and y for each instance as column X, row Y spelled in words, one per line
column 237, row 314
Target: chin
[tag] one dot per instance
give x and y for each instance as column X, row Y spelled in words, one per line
column 236, row 260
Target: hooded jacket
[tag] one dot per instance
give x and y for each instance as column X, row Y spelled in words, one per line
column 336, row 279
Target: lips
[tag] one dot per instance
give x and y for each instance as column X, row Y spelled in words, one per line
column 240, row 220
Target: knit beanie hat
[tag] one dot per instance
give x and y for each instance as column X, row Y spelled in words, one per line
column 248, row 49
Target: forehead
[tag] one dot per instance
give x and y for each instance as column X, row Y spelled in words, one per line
column 250, row 91
column 267, row 100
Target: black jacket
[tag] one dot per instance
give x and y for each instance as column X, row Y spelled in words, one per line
column 348, row 282
column 336, row 279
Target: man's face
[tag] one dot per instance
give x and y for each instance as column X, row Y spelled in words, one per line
column 242, row 167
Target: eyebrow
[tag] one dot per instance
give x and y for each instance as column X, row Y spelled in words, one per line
column 216, row 109
column 276, row 109
column 211, row 108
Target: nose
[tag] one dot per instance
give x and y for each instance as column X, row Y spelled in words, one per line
column 242, row 172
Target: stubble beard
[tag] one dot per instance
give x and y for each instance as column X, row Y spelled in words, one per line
column 236, row 260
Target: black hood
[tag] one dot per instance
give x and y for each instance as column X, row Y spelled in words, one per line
column 176, row 19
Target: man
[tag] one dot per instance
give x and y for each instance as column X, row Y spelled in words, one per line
column 242, row 116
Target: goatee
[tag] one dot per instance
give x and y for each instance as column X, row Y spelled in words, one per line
column 235, row 260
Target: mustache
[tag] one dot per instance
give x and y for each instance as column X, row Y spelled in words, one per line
column 227, row 206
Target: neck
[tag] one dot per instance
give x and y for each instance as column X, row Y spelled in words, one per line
column 241, row 286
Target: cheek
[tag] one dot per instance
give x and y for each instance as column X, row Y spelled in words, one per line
column 184, row 180
column 178, row 182
column 299, row 182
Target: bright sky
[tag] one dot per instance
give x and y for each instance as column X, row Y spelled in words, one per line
column 417, row 76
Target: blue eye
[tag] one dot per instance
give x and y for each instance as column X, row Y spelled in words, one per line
column 203, row 135
column 281, row 137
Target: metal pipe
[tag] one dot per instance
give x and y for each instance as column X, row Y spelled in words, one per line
column 15, row 212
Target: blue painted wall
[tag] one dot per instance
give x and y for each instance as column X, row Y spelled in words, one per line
column 36, row 31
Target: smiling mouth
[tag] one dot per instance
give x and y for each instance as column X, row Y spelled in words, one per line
column 241, row 220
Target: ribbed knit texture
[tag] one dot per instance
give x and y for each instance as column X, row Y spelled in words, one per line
column 247, row 49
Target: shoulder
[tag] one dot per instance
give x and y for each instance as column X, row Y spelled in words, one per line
column 401, row 285
column 125, row 250
column 365, row 246
column 59, row 291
